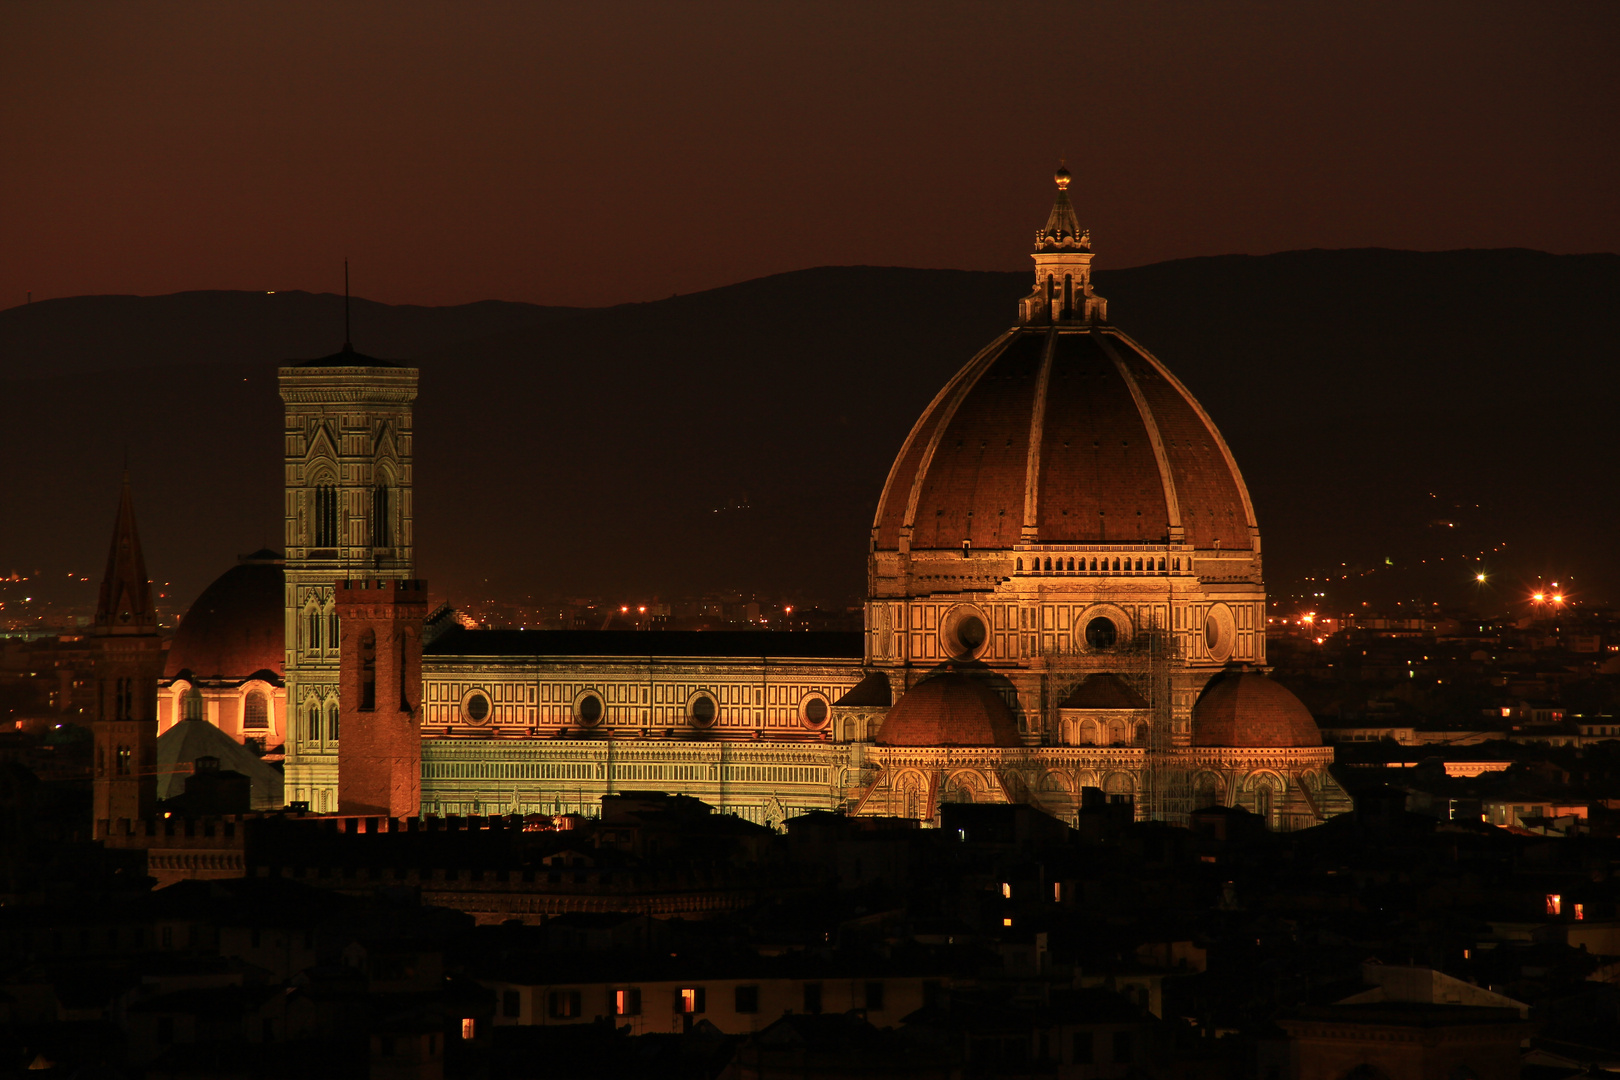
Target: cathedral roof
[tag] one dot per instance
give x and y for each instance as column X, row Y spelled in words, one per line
column 1064, row 435
column 236, row 628
column 179, row 748
column 347, row 357
column 1246, row 709
column 832, row 644
column 1104, row 691
column 871, row 692
column 1063, row 431
column 950, row 710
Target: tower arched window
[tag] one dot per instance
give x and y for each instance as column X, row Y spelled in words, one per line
column 313, row 730
column 382, row 534
column 326, row 515
column 1020, row 564
column 191, row 705
column 332, row 722
column 332, row 638
column 314, row 629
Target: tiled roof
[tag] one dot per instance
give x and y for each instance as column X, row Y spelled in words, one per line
column 871, row 692
column 236, row 628
column 1104, row 691
column 950, row 710
column 1098, row 474
column 1246, row 709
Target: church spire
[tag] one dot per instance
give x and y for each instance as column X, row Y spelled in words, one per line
column 126, row 594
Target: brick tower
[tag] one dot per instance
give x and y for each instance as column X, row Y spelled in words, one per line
column 348, row 515
column 380, row 690
column 128, row 663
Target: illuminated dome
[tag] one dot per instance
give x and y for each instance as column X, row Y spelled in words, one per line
column 1059, row 435
column 950, row 710
column 235, row 628
column 1063, row 431
column 1246, row 709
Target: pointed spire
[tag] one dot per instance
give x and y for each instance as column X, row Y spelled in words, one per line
column 126, row 595
column 1062, row 225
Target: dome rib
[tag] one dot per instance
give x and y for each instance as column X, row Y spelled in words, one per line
column 1099, row 478
column 1064, row 435
column 1172, row 504
column 1185, row 396
column 912, row 449
column 947, row 414
column 1029, row 532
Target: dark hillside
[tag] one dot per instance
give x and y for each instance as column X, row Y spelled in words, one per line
column 1383, row 406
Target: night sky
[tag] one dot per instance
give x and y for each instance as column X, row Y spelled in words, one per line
column 593, row 154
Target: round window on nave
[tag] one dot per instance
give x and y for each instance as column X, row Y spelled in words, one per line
column 815, row 712
column 588, row 710
column 477, row 707
column 702, row 711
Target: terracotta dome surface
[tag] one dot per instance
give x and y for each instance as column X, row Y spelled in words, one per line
column 1246, row 709
column 950, row 710
column 1122, row 453
column 235, row 628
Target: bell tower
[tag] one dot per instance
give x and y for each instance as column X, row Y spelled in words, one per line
column 128, row 663
column 348, row 515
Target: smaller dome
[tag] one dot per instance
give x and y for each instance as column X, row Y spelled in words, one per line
column 235, row 629
column 1105, row 691
column 950, row 710
column 1246, row 709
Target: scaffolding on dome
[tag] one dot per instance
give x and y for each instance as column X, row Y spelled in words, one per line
column 1146, row 663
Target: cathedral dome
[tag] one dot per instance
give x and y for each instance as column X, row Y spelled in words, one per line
column 235, row 628
column 1063, row 431
column 950, row 710
column 1246, row 709
column 1064, row 435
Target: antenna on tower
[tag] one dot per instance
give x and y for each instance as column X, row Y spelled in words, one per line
column 347, row 344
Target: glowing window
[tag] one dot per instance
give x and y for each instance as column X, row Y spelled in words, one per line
column 469, row 1028
column 1555, row 904
column 691, row 999
column 627, row 1002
